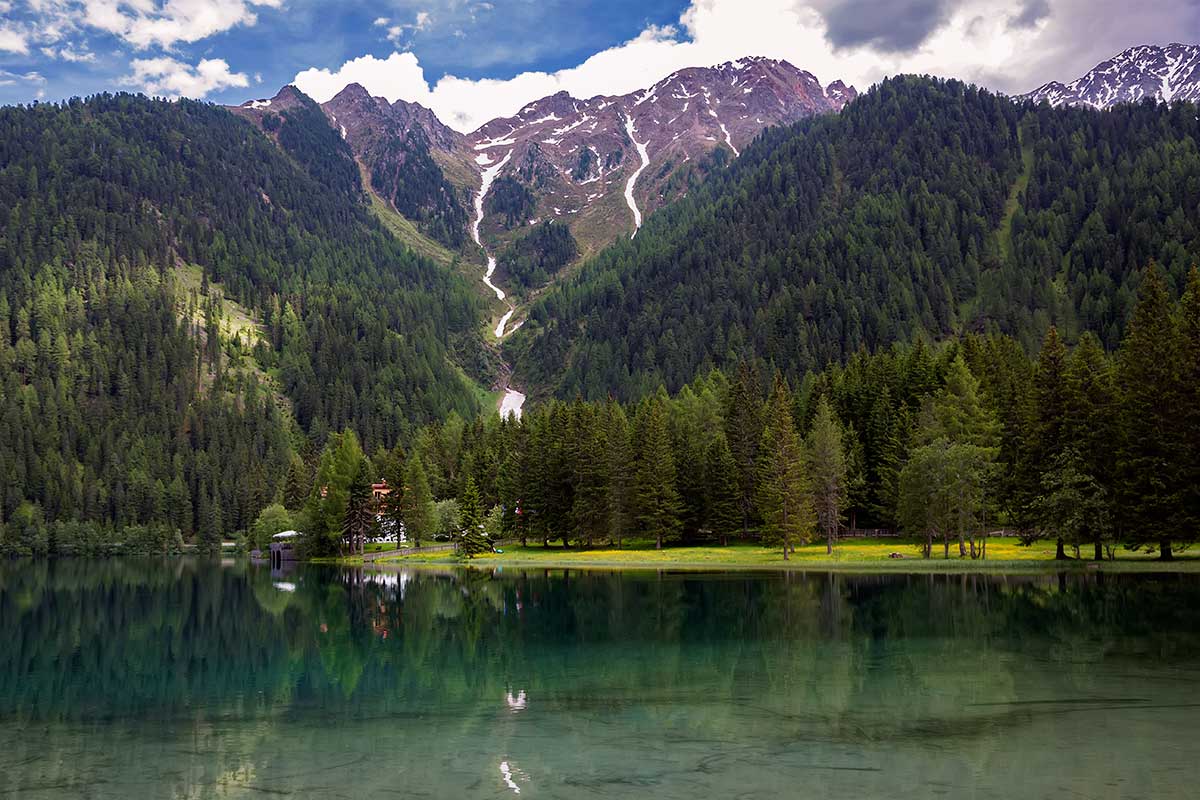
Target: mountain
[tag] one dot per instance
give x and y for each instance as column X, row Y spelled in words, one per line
column 602, row 164
column 596, row 166
column 411, row 159
column 400, row 148
column 1166, row 74
column 924, row 209
column 184, row 303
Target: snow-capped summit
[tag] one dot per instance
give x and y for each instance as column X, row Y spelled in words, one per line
column 1164, row 73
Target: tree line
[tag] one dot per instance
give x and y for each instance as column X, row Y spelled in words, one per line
column 948, row 444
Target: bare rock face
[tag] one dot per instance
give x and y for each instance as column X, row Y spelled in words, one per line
column 256, row 111
column 414, row 162
column 1163, row 73
column 363, row 120
column 603, row 163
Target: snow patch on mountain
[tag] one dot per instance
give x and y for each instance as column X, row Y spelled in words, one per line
column 645, row 155
column 1166, row 74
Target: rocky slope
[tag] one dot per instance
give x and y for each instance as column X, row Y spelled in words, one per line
column 603, row 163
column 1164, row 73
column 597, row 166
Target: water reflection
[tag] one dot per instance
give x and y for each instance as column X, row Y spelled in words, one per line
column 187, row 679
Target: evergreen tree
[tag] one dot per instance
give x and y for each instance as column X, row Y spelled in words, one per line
column 470, row 540
column 1051, row 399
column 417, row 509
column 359, row 517
column 338, row 470
column 620, row 461
column 723, row 516
column 958, row 416
column 658, row 504
column 1072, row 503
column 1091, row 432
column 782, row 487
column 1151, row 449
column 743, row 430
column 925, row 504
column 296, row 486
column 1189, row 423
column 827, row 471
column 389, row 467
column 589, row 510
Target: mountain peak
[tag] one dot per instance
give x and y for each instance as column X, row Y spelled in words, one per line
column 1144, row 71
column 599, row 164
column 287, row 97
column 352, row 92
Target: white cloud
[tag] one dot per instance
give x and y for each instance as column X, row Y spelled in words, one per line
column 13, row 41
column 69, row 53
column 143, row 23
column 395, row 31
column 167, row 77
column 13, row 78
column 991, row 42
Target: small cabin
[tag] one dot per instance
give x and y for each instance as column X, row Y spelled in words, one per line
column 283, row 548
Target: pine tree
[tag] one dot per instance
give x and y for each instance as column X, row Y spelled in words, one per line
column 1091, row 431
column 658, row 504
column 340, row 463
column 620, row 460
column 1152, row 464
column 958, row 416
column 1051, row 397
column 296, row 486
column 782, row 489
column 743, row 430
column 1189, row 424
column 886, row 432
column 471, row 542
column 924, row 500
column 417, row 509
column 389, row 467
column 723, row 514
column 589, row 511
column 359, row 517
column 827, row 470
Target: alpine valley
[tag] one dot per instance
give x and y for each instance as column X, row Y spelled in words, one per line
column 206, row 311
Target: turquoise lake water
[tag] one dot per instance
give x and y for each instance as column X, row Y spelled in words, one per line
column 188, row 679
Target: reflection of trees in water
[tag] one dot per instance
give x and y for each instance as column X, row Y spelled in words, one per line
column 224, row 654
column 123, row 635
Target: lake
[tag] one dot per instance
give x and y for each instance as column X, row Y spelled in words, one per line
column 192, row 679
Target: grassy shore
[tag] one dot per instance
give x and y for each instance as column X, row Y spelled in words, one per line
column 860, row 555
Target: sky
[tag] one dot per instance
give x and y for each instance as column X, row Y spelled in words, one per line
column 474, row 60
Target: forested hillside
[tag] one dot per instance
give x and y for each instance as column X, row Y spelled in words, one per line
column 925, row 208
column 1092, row 450
column 115, row 408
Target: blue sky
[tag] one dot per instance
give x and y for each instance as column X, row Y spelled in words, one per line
column 270, row 43
column 471, row 60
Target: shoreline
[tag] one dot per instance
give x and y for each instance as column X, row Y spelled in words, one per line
column 864, row 556
column 910, row 566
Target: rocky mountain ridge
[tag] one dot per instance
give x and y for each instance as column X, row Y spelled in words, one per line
column 602, row 163
column 1165, row 74
column 599, row 164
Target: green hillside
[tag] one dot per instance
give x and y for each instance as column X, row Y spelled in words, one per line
column 917, row 211
column 115, row 403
